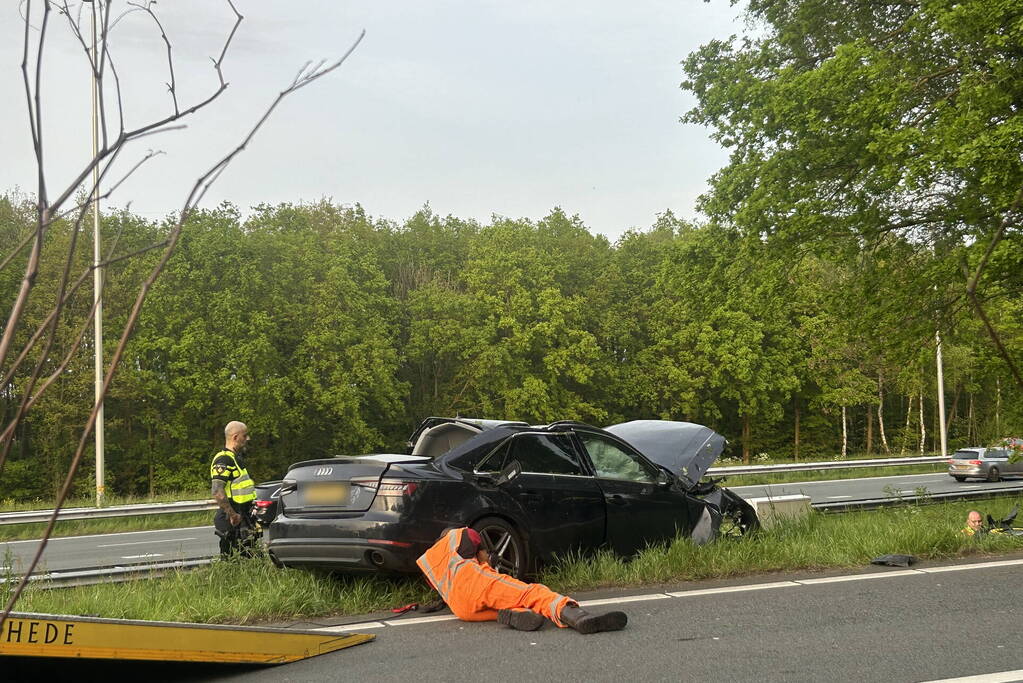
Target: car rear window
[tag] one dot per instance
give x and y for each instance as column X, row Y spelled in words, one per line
column 966, row 455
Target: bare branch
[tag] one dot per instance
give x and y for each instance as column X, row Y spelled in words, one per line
column 198, row 190
column 172, row 86
column 974, row 279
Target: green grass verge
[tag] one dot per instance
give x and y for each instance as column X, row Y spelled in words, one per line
column 831, row 475
column 83, row 527
column 243, row 591
column 10, row 505
column 819, row 541
column 212, row 594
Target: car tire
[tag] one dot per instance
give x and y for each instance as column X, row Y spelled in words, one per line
column 958, row 478
column 510, row 554
column 993, row 474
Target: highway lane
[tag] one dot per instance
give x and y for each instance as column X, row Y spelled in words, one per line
column 867, row 488
column 107, row 550
column 171, row 544
column 935, row 622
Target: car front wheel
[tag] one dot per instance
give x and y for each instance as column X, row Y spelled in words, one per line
column 508, row 551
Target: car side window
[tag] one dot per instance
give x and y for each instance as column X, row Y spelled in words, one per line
column 613, row 462
column 547, row 454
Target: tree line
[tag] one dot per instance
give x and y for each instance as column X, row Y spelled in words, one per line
column 329, row 331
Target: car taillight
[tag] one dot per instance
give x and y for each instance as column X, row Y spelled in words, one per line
column 264, row 503
column 396, row 487
column 975, row 462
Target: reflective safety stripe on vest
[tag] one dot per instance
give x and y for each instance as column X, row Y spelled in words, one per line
column 240, row 488
column 440, row 563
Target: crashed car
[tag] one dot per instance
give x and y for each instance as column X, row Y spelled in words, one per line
column 533, row 492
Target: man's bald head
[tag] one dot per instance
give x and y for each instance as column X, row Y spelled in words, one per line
column 236, row 435
column 974, row 520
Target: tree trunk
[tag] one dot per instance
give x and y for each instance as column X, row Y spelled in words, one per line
column 880, row 415
column 870, row 430
column 923, row 427
column 998, row 407
column 795, row 450
column 746, row 433
column 845, row 436
column 971, row 428
column 905, row 432
column 952, row 410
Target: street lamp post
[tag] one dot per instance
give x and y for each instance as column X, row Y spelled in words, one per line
column 97, row 273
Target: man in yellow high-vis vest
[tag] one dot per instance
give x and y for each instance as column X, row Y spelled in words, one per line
column 233, row 489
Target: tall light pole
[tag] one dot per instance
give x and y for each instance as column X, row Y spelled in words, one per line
column 97, row 273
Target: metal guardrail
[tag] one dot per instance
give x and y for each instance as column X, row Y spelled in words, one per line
column 30, row 516
column 827, row 465
column 68, row 578
column 938, row 497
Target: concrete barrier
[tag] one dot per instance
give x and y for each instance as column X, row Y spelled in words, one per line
column 773, row 509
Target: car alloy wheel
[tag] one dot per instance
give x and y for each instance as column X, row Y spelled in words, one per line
column 508, row 555
column 993, row 474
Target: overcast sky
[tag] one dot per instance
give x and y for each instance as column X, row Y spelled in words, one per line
column 478, row 108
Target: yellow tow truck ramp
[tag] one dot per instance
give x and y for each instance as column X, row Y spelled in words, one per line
column 48, row 635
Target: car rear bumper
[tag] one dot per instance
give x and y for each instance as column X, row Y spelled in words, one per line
column 967, row 472
column 352, row 544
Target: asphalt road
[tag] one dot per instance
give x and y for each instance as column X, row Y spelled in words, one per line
column 930, row 623
column 152, row 546
column 110, row 550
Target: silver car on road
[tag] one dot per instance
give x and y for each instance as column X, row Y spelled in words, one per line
column 982, row 463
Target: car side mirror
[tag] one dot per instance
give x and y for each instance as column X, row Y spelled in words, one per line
column 663, row 479
column 510, row 471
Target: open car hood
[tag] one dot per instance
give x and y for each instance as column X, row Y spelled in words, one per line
column 686, row 449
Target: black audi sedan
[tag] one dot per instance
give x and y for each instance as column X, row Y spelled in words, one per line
column 533, row 492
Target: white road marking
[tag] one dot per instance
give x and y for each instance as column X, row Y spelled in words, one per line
column 857, row 577
column 140, row 557
column 123, row 533
column 351, row 627
column 165, row 540
column 624, row 598
column 420, row 620
column 732, row 589
column 838, row 497
column 997, row 677
column 963, row 567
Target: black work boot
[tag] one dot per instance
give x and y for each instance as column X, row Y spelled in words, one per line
column 584, row 622
column 520, row 619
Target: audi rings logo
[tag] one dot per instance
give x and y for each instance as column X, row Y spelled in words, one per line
column 324, row 471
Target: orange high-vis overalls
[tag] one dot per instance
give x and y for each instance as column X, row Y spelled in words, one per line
column 474, row 591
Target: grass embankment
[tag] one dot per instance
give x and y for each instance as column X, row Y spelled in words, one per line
column 82, row 527
column 831, row 475
column 212, row 595
column 8, row 505
column 112, row 525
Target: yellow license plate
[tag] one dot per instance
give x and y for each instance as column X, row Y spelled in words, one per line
column 326, row 493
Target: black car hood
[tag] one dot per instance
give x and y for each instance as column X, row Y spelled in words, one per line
column 686, row 449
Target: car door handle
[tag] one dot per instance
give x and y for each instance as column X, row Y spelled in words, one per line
column 617, row 499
